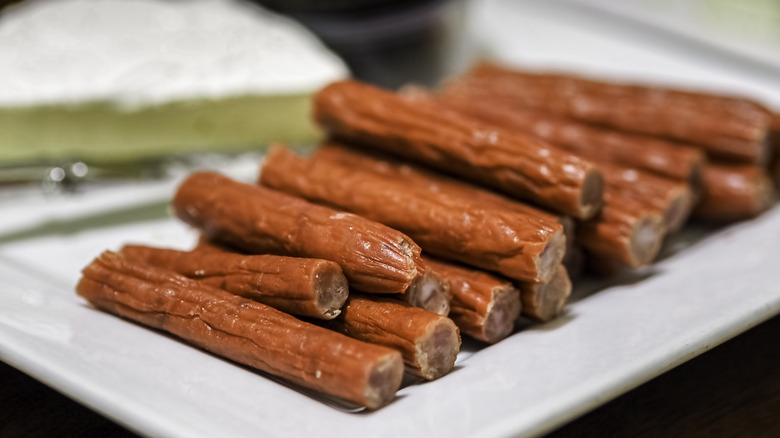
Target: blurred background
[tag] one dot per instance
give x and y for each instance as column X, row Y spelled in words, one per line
column 161, row 87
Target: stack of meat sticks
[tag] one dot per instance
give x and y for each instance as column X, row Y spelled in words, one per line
column 329, row 315
column 423, row 216
column 722, row 146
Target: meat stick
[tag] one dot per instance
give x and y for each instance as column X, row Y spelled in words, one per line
column 545, row 301
column 373, row 257
column 673, row 200
column 726, row 127
column 430, row 292
column 734, row 192
column 669, row 159
column 243, row 330
column 429, row 343
column 626, row 231
column 520, row 165
column 484, row 306
column 300, row 286
column 517, row 245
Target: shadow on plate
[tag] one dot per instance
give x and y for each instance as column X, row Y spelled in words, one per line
column 686, row 238
column 591, row 284
column 526, row 324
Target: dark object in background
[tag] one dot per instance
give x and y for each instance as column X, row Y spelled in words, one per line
column 388, row 42
column 4, row 3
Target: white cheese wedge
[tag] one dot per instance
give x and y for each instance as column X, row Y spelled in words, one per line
column 125, row 79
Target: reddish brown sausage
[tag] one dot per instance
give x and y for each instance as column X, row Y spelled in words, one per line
column 672, row 197
column 545, row 301
column 629, row 230
column 734, row 192
column 374, row 258
column 672, row 160
column 300, row 286
column 517, row 245
column 625, row 231
column 729, row 128
column 429, row 343
column 429, row 292
column 243, row 330
column 484, row 306
column 520, row 165
column 431, row 181
column 673, row 200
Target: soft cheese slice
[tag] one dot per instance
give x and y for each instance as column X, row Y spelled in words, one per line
column 123, row 79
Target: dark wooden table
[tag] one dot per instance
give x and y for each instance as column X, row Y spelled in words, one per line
column 730, row 391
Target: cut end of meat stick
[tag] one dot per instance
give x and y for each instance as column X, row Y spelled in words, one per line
column 695, row 179
column 646, row 240
column 545, row 301
column 434, row 350
column 384, row 379
column 551, row 257
column 765, row 149
column 591, row 197
column 502, row 312
column 330, row 291
column 680, row 208
column 765, row 194
column 430, row 292
column 625, row 232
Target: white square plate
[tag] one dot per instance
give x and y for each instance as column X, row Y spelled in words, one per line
column 709, row 288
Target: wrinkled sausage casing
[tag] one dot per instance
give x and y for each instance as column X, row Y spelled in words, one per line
column 374, row 257
column 726, row 127
column 484, row 306
column 512, row 243
column 296, row 285
column 243, row 330
column 520, row 165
